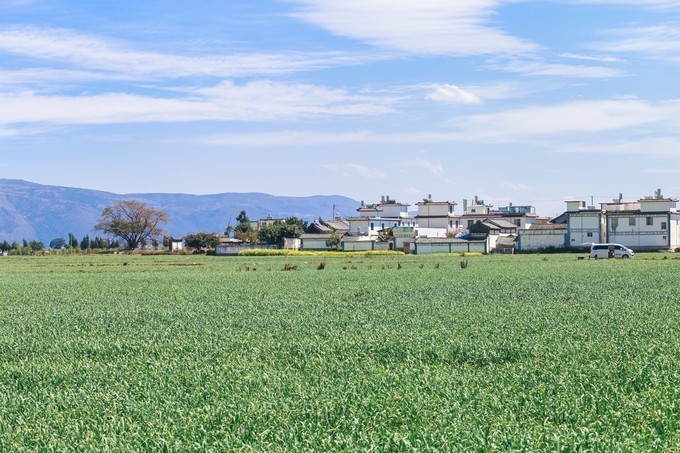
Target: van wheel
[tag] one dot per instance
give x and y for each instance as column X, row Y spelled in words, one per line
column 625, row 257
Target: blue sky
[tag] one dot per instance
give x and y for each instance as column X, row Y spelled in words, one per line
column 530, row 102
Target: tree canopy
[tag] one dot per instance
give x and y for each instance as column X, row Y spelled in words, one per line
column 202, row 241
column 133, row 222
column 276, row 232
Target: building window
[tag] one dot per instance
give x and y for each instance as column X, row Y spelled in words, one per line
column 450, row 209
column 382, row 226
column 372, row 226
column 650, row 220
column 631, row 221
column 470, row 223
column 615, row 222
column 518, row 222
column 664, row 225
column 589, row 234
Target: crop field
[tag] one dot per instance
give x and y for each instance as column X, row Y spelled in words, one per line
column 369, row 353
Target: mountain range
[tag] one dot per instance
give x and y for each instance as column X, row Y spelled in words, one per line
column 40, row 212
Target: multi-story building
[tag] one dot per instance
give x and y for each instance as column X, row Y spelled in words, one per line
column 374, row 218
column 436, row 214
column 651, row 223
column 584, row 223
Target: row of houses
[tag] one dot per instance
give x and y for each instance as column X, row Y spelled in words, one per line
column 650, row 223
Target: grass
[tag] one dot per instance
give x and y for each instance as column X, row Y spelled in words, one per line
column 387, row 352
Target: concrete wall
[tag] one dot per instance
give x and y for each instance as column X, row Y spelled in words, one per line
column 234, row 249
column 425, row 248
column 540, row 239
column 314, row 244
column 362, row 246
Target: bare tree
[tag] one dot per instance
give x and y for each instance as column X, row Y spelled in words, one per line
column 133, row 222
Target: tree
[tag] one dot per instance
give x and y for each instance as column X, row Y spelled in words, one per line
column 133, row 222
column 5, row 247
column 57, row 243
column 243, row 229
column 72, row 240
column 202, row 241
column 333, row 242
column 36, row 246
column 85, row 243
column 276, row 232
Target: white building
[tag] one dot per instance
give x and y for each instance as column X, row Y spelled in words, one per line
column 374, row 218
column 584, row 224
column 651, row 223
column 436, row 214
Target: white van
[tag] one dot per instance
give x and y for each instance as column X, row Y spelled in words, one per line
column 610, row 251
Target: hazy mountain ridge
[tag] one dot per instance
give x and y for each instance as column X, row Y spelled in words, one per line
column 39, row 212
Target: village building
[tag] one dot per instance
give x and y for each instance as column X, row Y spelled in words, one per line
column 373, row 219
column 542, row 236
column 436, row 215
column 651, row 223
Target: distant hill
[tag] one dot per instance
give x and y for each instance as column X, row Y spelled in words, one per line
column 37, row 212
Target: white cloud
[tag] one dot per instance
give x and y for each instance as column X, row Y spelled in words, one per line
column 601, row 59
column 539, row 68
column 665, row 147
column 662, row 4
column 659, row 41
column 460, row 27
column 255, row 101
column 92, row 53
column 354, row 170
column 569, row 118
column 452, row 94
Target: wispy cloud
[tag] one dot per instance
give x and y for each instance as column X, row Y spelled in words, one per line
column 540, row 68
column 663, row 171
column 460, row 27
column 452, row 94
column 659, row 41
column 602, row 59
column 92, row 53
column 569, row 118
column 255, row 101
column 354, row 170
column 664, row 147
column 658, row 4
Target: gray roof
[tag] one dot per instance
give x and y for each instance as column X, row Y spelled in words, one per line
column 338, row 225
column 548, row 226
column 316, row 236
column 443, row 241
column 502, row 223
column 360, row 239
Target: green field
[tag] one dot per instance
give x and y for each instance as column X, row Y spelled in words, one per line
column 401, row 353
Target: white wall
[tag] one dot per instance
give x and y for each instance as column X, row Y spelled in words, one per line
column 639, row 235
column 425, row 248
column 580, row 224
column 540, row 239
